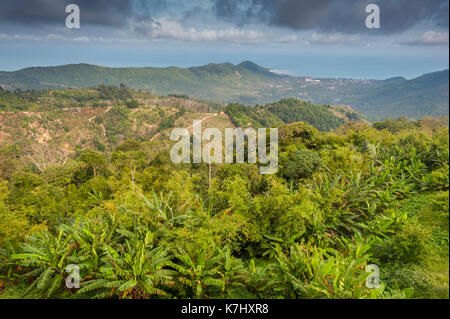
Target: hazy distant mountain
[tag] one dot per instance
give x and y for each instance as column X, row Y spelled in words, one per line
column 250, row 84
column 427, row 95
column 157, row 80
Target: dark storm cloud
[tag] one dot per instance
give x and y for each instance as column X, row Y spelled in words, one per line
column 49, row 12
column 345, row 16
column 334, row 15
column 441, row 17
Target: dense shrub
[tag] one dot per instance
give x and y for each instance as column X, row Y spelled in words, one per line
column 141, row 227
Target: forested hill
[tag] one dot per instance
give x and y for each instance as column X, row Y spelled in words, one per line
column 248, row 83
column 286, row 111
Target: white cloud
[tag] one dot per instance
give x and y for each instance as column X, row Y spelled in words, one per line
column 282, row 72
column 332, row 38
column 429, row 38
column 288, row 39
column 60, row 37
column 170, row 29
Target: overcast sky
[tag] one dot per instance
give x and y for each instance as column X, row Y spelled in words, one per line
column 303, row 37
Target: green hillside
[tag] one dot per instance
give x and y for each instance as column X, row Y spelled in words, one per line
column 102, row 117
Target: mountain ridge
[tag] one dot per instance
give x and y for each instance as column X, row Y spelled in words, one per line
column 250, row 84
